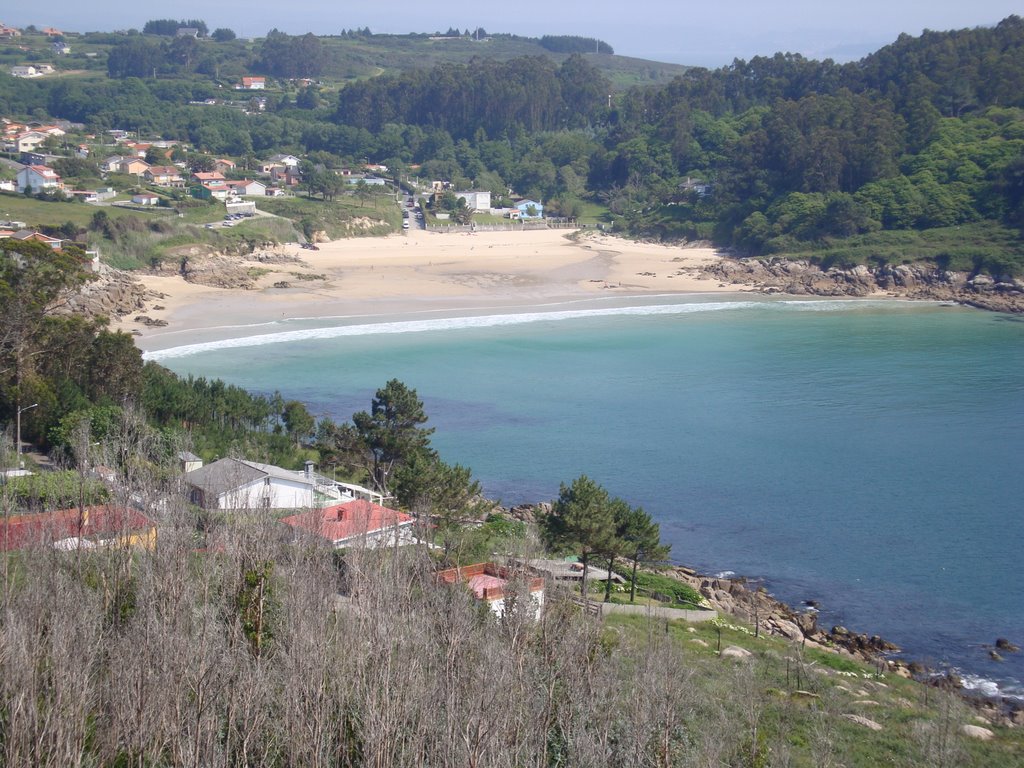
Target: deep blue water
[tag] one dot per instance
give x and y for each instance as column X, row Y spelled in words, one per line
column 867, row 455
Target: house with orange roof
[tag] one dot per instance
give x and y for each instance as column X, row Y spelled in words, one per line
column 252, row 84
column 359, row 523
column 52, row 32
column 30, row 235
column 163, row 176
column 39, row 178
column 90, row 527
column 212, row 178
column 499, row 586
column 223, row 165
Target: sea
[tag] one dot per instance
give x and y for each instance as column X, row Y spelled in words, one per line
column 866, row 455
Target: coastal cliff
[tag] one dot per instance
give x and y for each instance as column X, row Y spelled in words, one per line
column 912, row 281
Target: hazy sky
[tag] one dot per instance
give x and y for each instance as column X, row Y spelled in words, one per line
column 682, row 31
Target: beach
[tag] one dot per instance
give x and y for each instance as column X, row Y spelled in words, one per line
column 420, row 272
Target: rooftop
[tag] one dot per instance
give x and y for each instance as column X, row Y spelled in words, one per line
column 351, row 520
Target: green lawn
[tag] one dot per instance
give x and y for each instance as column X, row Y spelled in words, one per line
column 37, row 213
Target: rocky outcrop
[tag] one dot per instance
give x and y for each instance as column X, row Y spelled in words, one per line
column 235, row 268
column 113, row 294
column 217, row 272
column 915, row 281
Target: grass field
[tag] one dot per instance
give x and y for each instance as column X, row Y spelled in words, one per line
column 798, row 701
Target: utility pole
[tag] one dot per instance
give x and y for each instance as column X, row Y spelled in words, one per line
column 18, row 436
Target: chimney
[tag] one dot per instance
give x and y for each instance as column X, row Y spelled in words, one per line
column 309, row 469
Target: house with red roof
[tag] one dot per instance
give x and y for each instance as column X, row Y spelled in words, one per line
column 498, row 585
column 252, row 84
column 39, row 178
column 163, row 175
column 210, row 178
column 30, row 235
column 91, row 527
column 358, row 523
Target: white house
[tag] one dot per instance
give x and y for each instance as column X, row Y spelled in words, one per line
column 29, row 141
column 279, row 159
column 145, row 198
column 24, row 70
column 241, row 484
column 476, row 200
column 247, row 187
column 38, row 178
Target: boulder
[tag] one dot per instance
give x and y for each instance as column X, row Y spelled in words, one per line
column 808, row 622
column 788, row 629
column 864, row 721
column 976, row 732
column 1005, row 645
column 735, row 652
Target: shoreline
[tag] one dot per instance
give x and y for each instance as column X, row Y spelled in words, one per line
column 402, row 276
column 407, row 275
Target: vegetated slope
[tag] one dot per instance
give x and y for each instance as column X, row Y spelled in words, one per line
column 361, row 56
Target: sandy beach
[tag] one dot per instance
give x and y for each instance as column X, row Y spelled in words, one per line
column 421, row 272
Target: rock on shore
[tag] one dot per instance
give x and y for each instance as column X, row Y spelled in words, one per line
column 915, row 281
column 113, row 294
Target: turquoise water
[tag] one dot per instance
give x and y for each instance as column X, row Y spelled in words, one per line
column 867, row 455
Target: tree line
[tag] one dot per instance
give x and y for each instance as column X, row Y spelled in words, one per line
column 775, row 155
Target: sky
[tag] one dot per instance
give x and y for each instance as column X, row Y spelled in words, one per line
column 703, row 33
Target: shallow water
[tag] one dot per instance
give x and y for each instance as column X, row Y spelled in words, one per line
column 864, row 454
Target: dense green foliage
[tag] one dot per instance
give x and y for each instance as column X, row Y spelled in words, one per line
column 45, row 491
column 663, row 588
column 776, row 155
column 574, row 44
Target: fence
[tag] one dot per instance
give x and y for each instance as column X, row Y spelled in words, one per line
column 511, row 226
column 595, row 608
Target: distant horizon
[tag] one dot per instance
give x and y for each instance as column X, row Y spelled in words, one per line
column 654, row 30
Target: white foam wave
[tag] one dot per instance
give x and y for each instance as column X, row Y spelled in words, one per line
column 491, row 321
column 725, row 575
column 991, row 688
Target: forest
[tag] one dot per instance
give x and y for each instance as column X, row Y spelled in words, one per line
column 778, row 155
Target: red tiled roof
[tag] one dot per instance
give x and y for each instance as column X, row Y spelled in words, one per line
column 23, row 531
column 480, row 584
column 44, row 170
column 346, row 521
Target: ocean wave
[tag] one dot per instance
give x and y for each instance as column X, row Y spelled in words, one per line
column 991, row 688
column 493, row 321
